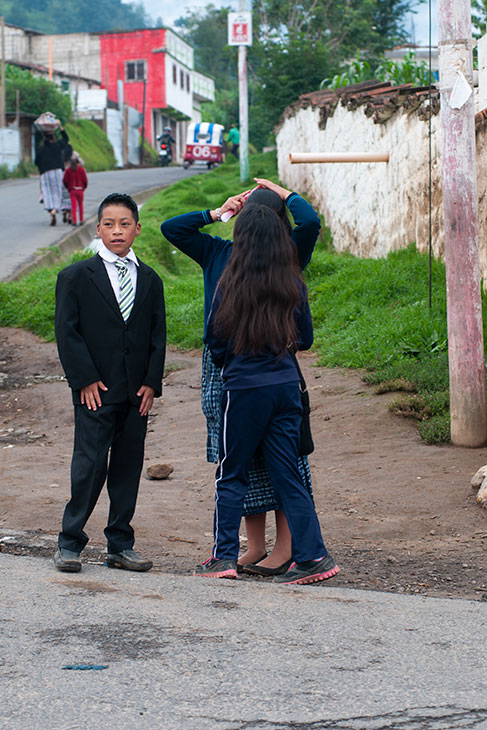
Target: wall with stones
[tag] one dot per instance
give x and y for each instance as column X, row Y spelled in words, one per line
column 375, row 208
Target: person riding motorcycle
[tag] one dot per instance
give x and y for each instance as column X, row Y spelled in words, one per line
column 166, row 139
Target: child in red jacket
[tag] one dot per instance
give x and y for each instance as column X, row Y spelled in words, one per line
column 76, row 182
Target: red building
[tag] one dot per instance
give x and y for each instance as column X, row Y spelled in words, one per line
column 162, row 62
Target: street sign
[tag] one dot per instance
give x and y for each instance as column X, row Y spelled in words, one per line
column 240, row 29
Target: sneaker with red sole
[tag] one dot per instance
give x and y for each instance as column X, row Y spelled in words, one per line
column 312, row 571
column 216, row 568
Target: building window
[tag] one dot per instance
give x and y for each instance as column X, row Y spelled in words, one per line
column 174, row 74
column 64, row 85
column 187, row 83
column 135, row 70
column 181, row 79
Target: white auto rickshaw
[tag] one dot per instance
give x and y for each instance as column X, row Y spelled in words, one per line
column 204, row 144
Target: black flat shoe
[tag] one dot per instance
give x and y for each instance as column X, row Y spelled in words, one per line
column 240, row 568
column 254, row 569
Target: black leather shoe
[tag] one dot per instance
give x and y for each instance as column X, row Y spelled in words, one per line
column 129, row 560
column 254, row 569
column 67, row 561
column 240, row 567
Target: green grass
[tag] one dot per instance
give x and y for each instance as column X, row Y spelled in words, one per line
column 367, row 313
column 91, row 143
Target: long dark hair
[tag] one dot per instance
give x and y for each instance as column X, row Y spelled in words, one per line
column 264, row 196
column 260, row 285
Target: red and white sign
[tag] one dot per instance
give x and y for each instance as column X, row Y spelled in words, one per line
column 240, row 29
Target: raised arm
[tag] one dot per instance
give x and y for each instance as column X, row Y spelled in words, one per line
column 307, row 222
column 183, row 231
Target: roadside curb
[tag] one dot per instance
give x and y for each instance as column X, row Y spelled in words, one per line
column 73, row 240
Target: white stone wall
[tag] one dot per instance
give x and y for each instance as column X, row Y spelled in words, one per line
column 370, row 208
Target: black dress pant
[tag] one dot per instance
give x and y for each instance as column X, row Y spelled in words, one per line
column 119, row 429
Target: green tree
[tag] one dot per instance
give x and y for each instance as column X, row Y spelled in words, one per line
column 296, row 44
column 207, row 32
column 73, row 16
column 479, row 17
column 35, row 95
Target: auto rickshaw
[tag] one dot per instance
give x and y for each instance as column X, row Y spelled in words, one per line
column 204, row 144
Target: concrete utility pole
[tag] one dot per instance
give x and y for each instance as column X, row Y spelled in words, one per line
column 460, row 203
column 243, row 107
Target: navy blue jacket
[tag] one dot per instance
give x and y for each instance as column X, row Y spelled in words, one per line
column 212, row 252
column 265, row 368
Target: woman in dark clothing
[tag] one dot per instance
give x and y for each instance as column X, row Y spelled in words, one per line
column 50, row 156
column 260, row 309
column 212, row 254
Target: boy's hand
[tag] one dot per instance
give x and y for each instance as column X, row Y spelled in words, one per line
column 282, row 192
column 90, row 396
column 147, row 395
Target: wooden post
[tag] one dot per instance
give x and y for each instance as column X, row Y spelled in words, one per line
column 50, row 59
column 322, row 157
column 460, row 203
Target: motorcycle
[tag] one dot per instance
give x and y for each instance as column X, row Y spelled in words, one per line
column 165, row 153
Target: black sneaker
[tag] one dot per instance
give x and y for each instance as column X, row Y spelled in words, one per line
column 67, row 561
column 128, row 560
column 215, row 568
column 312, row 571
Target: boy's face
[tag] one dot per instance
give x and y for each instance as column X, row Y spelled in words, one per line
column 117, row 229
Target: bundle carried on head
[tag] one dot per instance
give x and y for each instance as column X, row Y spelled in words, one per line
column 47, row 122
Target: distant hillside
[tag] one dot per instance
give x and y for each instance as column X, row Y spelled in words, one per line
column 72, row 16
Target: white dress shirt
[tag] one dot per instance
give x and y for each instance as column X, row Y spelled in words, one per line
column 109, row 258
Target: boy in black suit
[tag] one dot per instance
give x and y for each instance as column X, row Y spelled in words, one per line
column 111, row 337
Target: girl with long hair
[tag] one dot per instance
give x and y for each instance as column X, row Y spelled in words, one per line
column 212, row 254
column 260, row 309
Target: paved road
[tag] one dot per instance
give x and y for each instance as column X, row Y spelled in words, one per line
column 186, row 653
column 25, row 224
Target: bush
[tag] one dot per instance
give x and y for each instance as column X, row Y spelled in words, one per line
column 35, row 95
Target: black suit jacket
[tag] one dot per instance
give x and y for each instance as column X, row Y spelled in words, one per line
column 94, row 342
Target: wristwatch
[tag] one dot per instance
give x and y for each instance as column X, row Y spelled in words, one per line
column 218, row 214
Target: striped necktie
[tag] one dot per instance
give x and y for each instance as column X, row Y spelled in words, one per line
column 127, row 295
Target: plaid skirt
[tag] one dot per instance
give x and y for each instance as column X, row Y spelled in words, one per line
column 260, row 495
column 52, row 189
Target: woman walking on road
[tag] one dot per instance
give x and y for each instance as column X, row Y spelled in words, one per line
column 51, row 153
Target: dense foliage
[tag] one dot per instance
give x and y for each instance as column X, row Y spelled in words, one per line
column 296, row 44
column 73, row 16
column 36, row 95
column 408, row 71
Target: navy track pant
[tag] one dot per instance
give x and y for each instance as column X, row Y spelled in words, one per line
column 270, row 415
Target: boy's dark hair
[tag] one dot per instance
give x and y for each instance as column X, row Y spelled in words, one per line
column 119, row 199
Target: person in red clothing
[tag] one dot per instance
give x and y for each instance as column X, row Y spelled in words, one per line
column 76, row 181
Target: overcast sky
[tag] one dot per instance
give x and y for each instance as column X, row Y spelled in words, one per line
column 169, row 11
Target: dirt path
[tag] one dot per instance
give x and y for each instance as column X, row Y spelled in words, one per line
column 397, row 515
